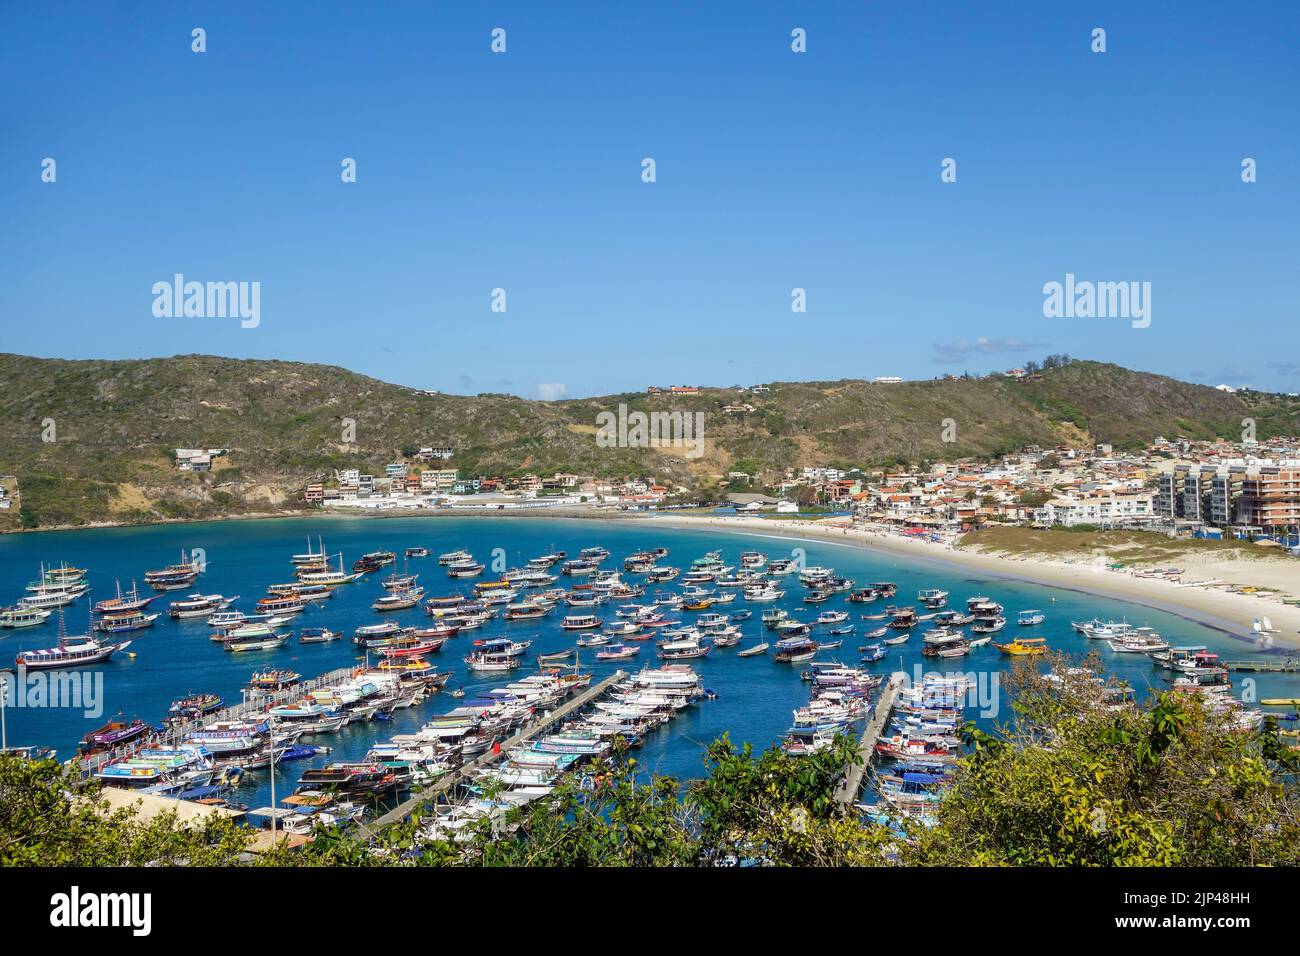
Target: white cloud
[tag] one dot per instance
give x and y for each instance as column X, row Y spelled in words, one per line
column 956, row 351
column 551, row 391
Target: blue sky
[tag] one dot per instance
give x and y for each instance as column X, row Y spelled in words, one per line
column 775, row 170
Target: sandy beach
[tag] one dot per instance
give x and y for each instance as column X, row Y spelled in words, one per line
column 1213, row 606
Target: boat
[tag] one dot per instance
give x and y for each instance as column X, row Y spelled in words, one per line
column 309, row 556
column 23, row 616
column 199, row 605
column 901, row 639
column 557, row 656
column 399, row 600
column 753, row 651
column 738, row 616
column 581, row 622
column 617, row 652
column 318, row 635
column 277, row 679
column 987, row 625
column 121, row 623
column 872, row 653
column 794, row 650
column 841, row 631
column 417, row 552
column 832, row 617
column 113, row 734
column 240, row 646
column 193, row 707
column 174, row 577
column 1028, row 618
column 75, row 652
column 124, row 603
column 1023, row 646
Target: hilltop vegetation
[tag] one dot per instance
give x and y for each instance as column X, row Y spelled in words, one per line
column 115, row 425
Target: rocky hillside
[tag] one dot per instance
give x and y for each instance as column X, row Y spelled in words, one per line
column 93, row 440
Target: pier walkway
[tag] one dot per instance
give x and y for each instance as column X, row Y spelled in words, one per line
column 847, row 794
column 449, row 782
column 253, row 706
column 1286, row 665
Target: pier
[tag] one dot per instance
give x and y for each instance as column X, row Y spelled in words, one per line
column 847, row 794
column 253, row 706
column 1286, row 665
column 449, row 782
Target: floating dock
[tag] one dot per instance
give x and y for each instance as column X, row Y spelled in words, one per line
column 847, row 794
column 449, row 782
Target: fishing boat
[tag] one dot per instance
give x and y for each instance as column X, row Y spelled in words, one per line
column 617, row 652
column 841, row 631
column 581, row 622
column 318, row 635
column 988, row 625
column 828, row 645
column 873, row 652
column 557, row 656
column 863, row 595
column 892, row 641
column 465, row 569
column 932, row 598
column 684, row 650
column 1023, row 646
column 753, row 651
column 124, row 603
column 23, row 616
column 738, row 616
column 903, row 619
column 1029, row 618
column 832, row 617
column 417, row 552
column 199, row 605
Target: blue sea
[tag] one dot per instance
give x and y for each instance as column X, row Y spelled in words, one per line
column 755, row 696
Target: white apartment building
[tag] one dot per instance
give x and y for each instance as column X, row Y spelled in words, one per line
column 1098, row 509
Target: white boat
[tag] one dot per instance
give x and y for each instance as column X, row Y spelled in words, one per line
column 23, row 616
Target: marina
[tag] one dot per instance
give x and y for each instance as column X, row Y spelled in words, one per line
column 482, row 641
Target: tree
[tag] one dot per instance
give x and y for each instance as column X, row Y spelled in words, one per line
column 1079, row 778
column 50, row 817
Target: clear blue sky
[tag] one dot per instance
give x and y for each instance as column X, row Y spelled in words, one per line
column 775, row 170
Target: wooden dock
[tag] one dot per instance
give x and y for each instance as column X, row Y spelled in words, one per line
column 448, row 782
column 852, row 785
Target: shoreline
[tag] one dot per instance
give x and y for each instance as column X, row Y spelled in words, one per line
column 1230, row 613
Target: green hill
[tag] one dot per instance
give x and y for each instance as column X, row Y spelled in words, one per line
column 115, row 426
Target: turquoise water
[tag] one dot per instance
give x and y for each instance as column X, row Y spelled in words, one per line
column 755, row 695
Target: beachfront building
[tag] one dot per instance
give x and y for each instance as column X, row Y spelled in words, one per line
column 1111, row 510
